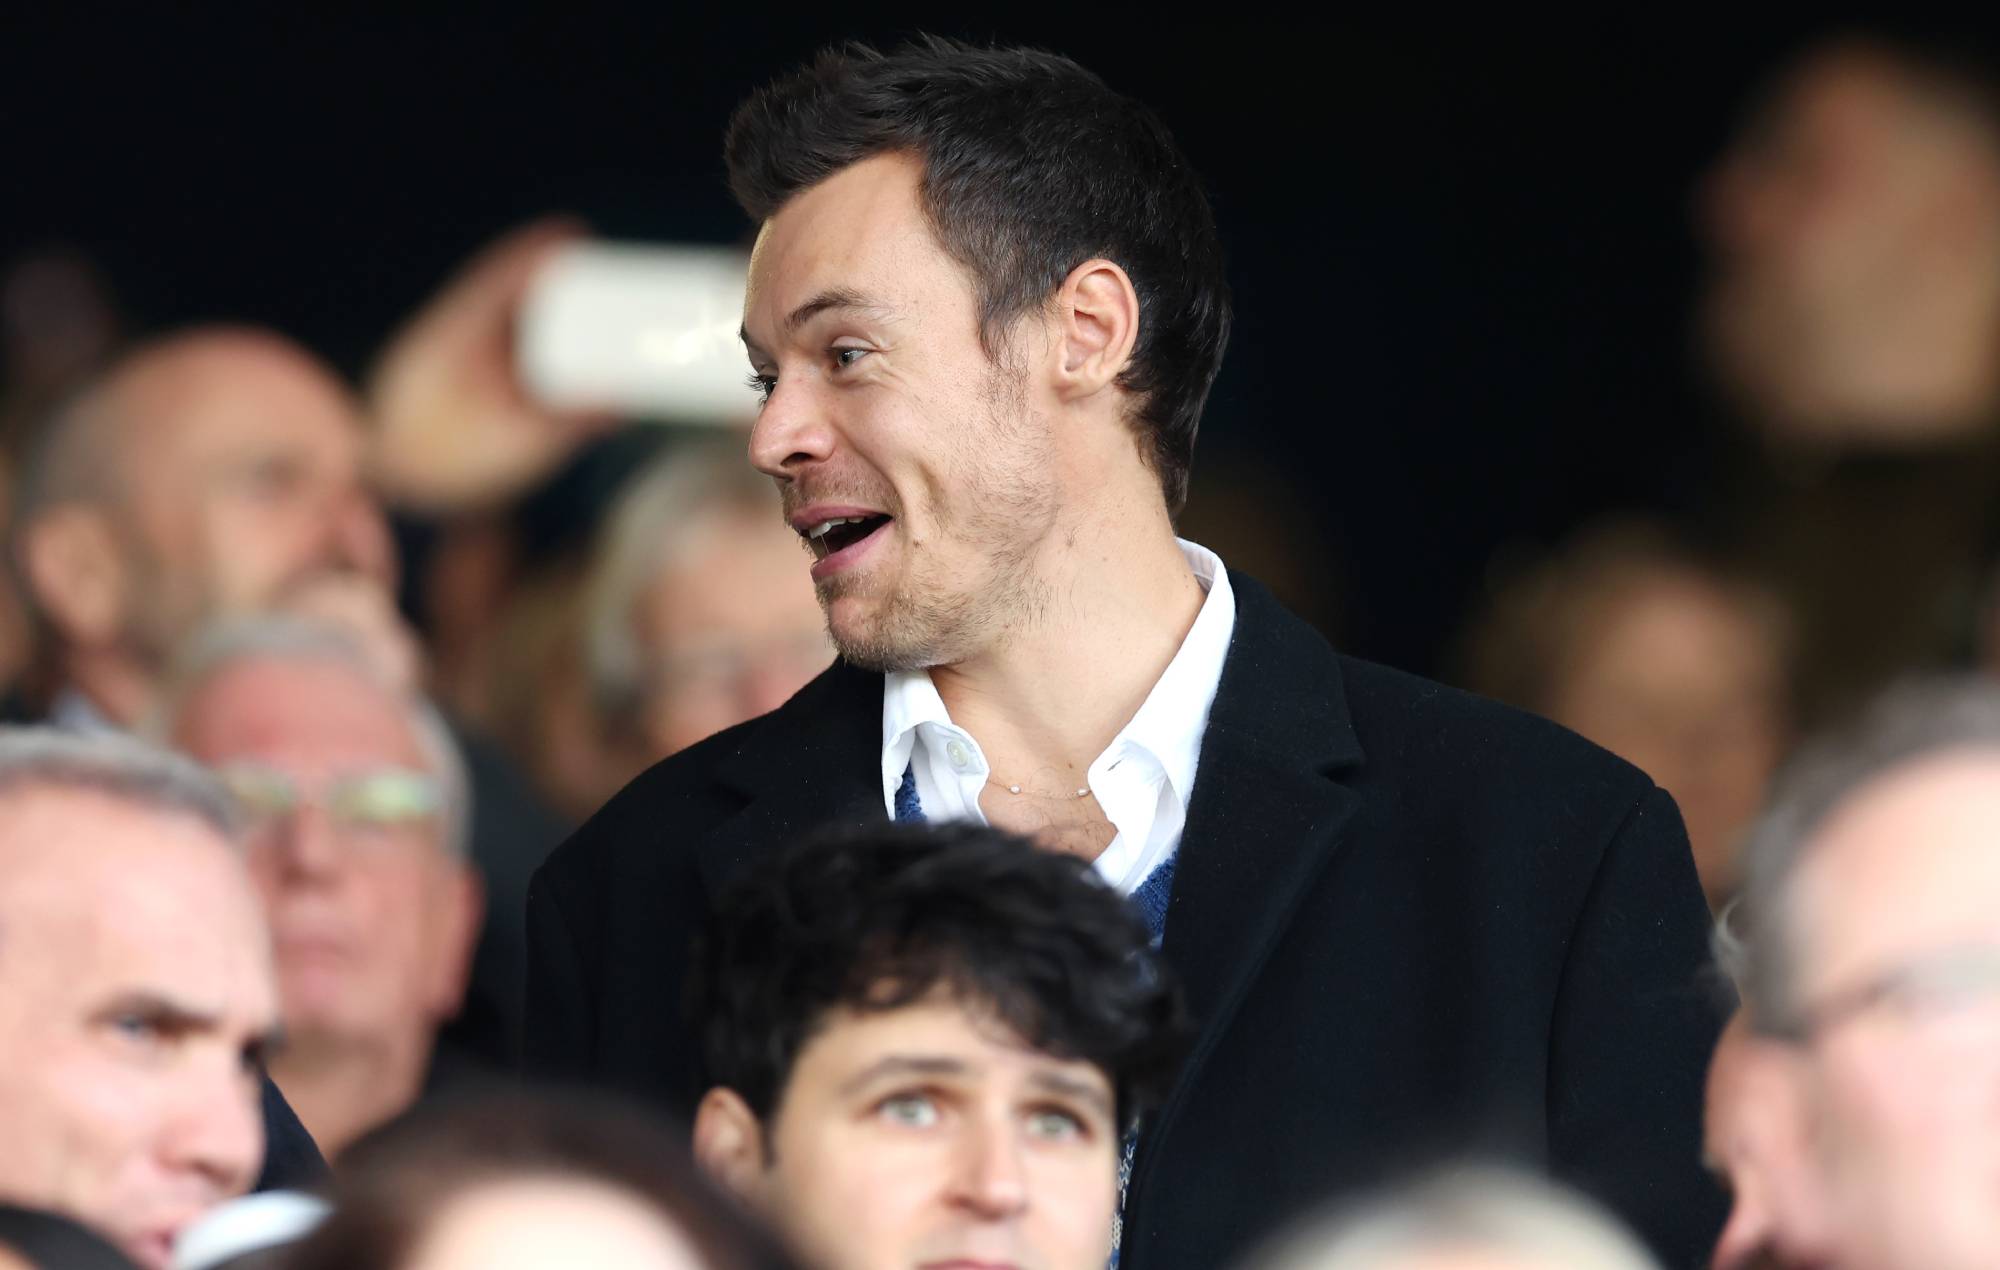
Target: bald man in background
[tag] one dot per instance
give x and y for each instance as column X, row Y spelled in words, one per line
column 222, row 471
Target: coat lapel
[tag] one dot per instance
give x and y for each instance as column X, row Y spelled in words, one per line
column 1266, row 816
column 816, row 766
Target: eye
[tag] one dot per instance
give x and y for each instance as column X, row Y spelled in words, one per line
column 763, row 386
column 846, row 357
column 1056, row 1124
column 912, row 1111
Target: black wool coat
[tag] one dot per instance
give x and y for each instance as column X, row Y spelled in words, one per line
column 1410, row 923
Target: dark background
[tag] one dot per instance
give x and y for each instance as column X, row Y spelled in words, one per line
column 1463, row 256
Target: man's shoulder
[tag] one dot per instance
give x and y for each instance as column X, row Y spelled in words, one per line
column 686, row 794
column 1406, row 719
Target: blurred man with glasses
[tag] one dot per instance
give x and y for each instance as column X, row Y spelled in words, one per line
column 358, row 846
column 1873, row 954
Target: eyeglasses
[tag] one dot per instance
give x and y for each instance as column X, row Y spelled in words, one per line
column 1930, row 988
column 360, row 806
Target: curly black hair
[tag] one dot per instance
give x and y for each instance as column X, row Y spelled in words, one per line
column 1032, row 165
column 875, row 921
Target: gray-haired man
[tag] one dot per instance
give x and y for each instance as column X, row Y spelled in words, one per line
column 1873, row 953
column 357, row 843
column 136, row 993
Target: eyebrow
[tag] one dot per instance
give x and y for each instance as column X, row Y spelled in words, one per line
column 1070, row 1087
column 831, row 300
column 165, row 1012
column 903, row 1065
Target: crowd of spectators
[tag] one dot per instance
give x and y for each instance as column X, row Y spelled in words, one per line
column 271, row 798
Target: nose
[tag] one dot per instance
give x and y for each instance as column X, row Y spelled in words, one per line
column 218, row 1132
column 311, row 848
column 358, row 538
column 1743, row 1236
column 989, row 1177
column 791, row 432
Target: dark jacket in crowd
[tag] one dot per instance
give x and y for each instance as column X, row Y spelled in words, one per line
column 1410, row 922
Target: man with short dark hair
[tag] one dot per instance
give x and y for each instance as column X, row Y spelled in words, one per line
column 927, row 1046
column 985, row 306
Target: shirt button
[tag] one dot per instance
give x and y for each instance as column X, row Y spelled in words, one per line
column 956, row 753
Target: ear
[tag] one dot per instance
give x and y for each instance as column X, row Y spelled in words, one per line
column 461, row 905
column 77, row 574
column 1097, row 327
column 729, row 1143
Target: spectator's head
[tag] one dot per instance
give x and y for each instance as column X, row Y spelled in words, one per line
column 1469, row 1219
column 136, row 995
column 205, row 474
column 1642, row 647
column 516, row 1183
column 358, row 826
column 985, row 306
column 1855, row 229
column 699, row 609
column 1873, row 887
column 926, row 1047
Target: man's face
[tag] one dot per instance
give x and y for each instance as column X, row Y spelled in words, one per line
column 885, row 407
column 1896, row 931
column 928, row 1136
column 1821, row 219
column 729, row 629
column 367, row 910
column 242, row 483
column 135, row 1000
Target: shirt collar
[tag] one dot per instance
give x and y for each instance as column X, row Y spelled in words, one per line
column 1170, row 722
column 1168, row 725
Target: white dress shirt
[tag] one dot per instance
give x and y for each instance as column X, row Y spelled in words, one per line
column 1142, row 780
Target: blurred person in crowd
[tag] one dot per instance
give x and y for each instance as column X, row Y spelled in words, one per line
column 356, row 797
column 1852, row 315
column 217, row 472
column 527, row 1181
column 698, row 613
column 137, row 1002
column 984, row 309
column 928, row 1046
column 210, row 472
column 1873, row 956
column 1482, row 1218
column 1643, row 647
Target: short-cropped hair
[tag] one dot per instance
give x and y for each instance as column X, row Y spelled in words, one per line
column 1032, row 166
column 1914, row 721
column 115, row 766
column 880, row 920
column 282, row 637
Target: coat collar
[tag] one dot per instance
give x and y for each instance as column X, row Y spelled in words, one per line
column 1264, row 818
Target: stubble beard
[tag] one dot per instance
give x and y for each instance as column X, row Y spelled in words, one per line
column 1007, row 505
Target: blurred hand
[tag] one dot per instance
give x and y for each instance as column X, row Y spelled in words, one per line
column 453, row 428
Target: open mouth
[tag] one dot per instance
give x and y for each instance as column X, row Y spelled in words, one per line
column 829, row 537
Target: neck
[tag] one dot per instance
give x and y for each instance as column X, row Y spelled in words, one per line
column 342, row 1087
column 1046, row 698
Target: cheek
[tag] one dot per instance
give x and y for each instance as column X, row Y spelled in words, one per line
column 83, row 1133
column 1076, row 1196
column 851, row 1190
